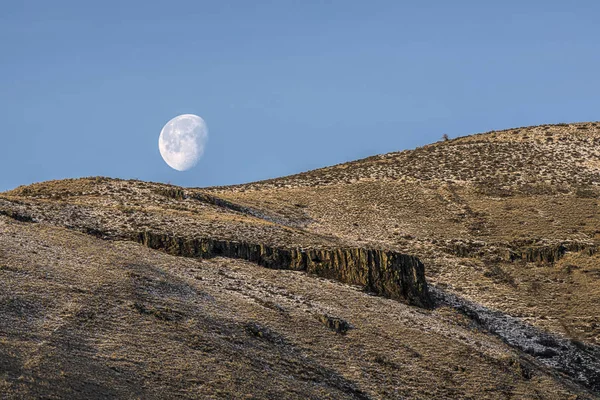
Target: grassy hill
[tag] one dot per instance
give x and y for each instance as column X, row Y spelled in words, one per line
column 467, row 268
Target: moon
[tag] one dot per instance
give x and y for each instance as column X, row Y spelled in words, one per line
column 182, row 141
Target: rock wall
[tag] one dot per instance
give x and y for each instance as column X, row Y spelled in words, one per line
column 389, row 274
column 527, row 251
column 16, row 215
column 545, row 254
column 551, row 253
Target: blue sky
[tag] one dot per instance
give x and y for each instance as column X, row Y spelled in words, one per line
column 284, row 86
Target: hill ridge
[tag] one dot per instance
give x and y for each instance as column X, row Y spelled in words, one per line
column 502, row 227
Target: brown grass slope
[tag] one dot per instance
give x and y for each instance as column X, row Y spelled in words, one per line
column 87, row 318
column 472, row 208
column 507, row 220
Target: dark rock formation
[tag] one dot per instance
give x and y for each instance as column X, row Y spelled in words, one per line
column 335, row 324
column 389, row 274
column 550, row 253
column 528, row 251
column 546, row 254
column 466, row 249
column 17, row 216
column 176, row 193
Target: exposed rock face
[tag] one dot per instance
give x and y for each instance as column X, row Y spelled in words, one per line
column 17, row 216
column 386, row 273
column 548, row 253
column 389, row 274
column 552, row 252
column 335, row 324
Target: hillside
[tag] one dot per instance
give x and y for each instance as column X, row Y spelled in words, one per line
column 475, row 209
column 467, row 268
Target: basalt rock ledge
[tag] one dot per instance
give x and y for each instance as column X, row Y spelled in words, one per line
column 385, row 273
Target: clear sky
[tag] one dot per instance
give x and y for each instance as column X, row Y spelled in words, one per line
column 284, row 86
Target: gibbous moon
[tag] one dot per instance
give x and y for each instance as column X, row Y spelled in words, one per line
column 182, row 140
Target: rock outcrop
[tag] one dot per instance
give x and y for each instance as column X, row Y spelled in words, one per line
column 16, row 215
column 550, row 253
column 527, row 251
column 389, row 274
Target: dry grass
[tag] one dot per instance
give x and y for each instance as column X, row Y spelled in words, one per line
column 83, row 317
column 494, row 189
column 461, row 205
